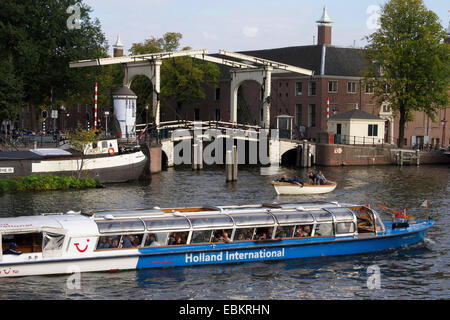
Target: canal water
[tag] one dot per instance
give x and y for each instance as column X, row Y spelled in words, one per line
column 417, row 272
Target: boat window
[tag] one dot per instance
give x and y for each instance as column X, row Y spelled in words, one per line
column 345, row 227
column 178, row 238
column 166, row 223
column 253, row 219
column 131, row 241
column 263, row 233
column 52, row 244
column 108, row 242
column 115, row 226
column 25, row 242
column 201, row 236
column 285, row 232
column 303, row 231
column 322, row 216
column 324, row 229
column 244, row 234
column 341, row 214
column 156, row 239
column 222, row 236
column 211, row 221
column 293, row 217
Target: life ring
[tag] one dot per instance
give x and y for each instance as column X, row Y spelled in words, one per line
column 111, row 151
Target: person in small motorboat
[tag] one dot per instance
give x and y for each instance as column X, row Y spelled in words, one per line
column 283, row 179
column 321, row 178
column 12, row 249
column 312, row 178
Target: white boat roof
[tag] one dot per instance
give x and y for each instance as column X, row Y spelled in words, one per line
column 51, row 152
column 75, row 223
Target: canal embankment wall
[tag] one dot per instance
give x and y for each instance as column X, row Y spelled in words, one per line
column 350, row 155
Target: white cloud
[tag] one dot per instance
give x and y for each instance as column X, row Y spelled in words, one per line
column 250, row 32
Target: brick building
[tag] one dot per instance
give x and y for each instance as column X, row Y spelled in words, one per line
column 338, row 77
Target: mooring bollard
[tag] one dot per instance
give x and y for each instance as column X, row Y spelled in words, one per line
column 235, row 164
column 231, row 165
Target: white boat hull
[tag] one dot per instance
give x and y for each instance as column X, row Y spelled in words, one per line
column 283, row 188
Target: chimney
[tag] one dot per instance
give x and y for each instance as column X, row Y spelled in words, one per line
column 324, row 29
column 118, row 48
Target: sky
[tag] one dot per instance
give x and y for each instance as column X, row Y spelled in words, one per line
column 239, row 25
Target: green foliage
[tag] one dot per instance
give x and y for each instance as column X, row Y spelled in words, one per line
column 81, row 139
column 11, row 90
column 408, row 62
column 183, row 79
column 34, row 34
column 46, row 183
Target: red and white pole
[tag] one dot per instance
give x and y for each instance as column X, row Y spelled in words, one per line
column 328, row 108
column 95, row 108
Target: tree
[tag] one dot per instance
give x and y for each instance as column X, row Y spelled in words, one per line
column 37, row 37
column 408, row 62
column 11, row 91
column 80, row 140
column 183, row 79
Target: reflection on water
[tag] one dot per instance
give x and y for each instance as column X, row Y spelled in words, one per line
column 417, row 272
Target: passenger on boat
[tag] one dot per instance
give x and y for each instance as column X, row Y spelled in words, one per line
column 115, row 243
column 283, row 179
column 225, row 238
column 126, row 243
column 103, row 244
column 152, row 241
column 312, row 178
column 299, row 232
column 321, row 178
column 12, row 250
column 175, row 239
column 307, row 231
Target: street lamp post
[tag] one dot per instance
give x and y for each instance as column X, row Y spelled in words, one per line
column 106, row 123
column 443, row 122
column 146, row 123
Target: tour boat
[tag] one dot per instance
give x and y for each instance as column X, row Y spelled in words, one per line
column 105, row 162
column 149, row 238
column 287, row 188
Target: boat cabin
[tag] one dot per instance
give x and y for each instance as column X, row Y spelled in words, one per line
column 74, row 234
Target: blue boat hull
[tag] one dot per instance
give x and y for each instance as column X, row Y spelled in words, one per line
column 278, row 250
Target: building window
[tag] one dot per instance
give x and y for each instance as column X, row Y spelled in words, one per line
column 196, row 114
column 298, row 89
column 332, row 86
column 217, row 94
column 217, row 114
column 386, row 109
column 351, row 87
column 373, row 130
column 298, row 115
column 312, row 88
column 312, row 115
column 369, row 87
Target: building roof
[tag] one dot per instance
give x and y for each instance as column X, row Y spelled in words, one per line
column 124, row 91
column 325, row 19
column 339, row 61
column 118, row 43
column 355, row 114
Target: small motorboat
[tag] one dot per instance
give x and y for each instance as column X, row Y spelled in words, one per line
column 287, row 188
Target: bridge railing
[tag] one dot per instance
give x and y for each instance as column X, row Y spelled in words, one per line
column 166, row 128
column 352, row 140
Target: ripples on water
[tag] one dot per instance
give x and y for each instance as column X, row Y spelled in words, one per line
column 417, row 272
